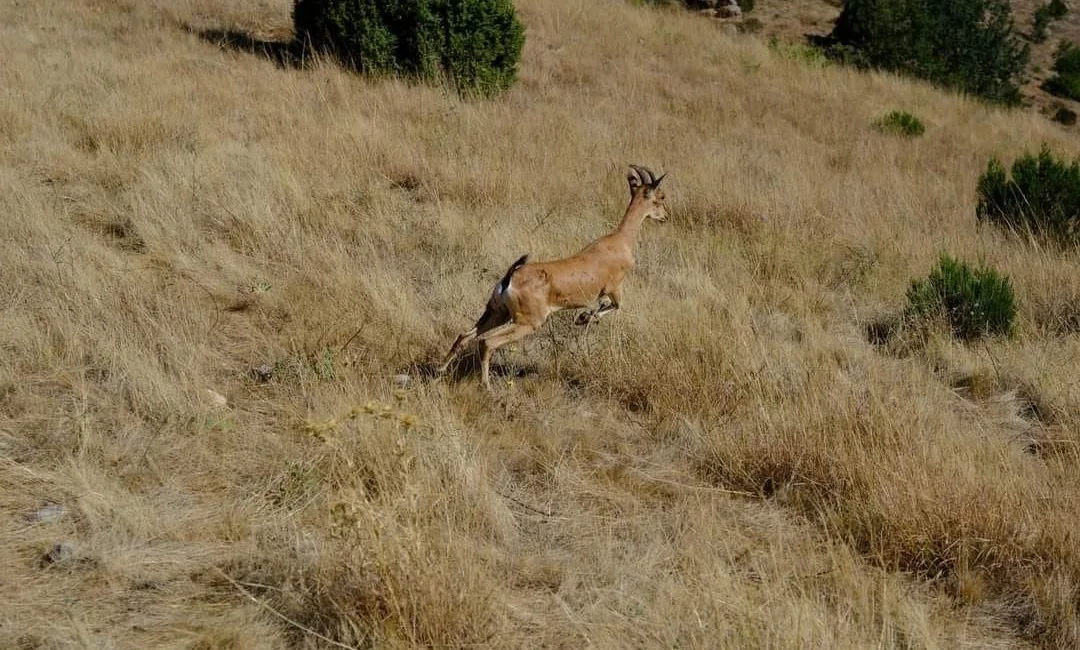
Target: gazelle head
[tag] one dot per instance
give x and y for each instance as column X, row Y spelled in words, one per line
column 643, row 182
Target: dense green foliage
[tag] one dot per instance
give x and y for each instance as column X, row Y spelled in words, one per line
column 975, row 302
column 1040, row 24
column 901, row 123
column 969, row 45
column 475, row 43
column 1066, row 83
column 1042, row 197
column 1057, row 9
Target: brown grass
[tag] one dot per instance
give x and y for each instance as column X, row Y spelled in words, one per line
column 727, row 462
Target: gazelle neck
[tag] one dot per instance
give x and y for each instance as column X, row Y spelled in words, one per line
column 630, row 225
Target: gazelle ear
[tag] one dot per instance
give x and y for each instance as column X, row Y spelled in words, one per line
column 656, row 183
column 634, row 179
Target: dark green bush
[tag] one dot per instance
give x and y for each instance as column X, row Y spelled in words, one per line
column 475, row 43
column 1040, row 23
column 1065, row 116
column 969, row 45
column 1066, row 83
column 1042, row 197
column 1057, row 9
column 901, row 123
column 975, row 302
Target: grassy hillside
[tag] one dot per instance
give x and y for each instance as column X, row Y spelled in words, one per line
column 794, row 20
column 726, row 462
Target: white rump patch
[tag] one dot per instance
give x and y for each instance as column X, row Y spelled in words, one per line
column 503, row 288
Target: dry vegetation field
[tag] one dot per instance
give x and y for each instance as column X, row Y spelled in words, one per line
column 725, row 463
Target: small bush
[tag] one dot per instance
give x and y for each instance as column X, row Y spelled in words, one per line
column 901, row 123
column 476, row 43
column 1057, row 9
column 975, row 302
column 969, row 45
column 751, row 25
column 805, row 54
column 1040, row 24
column 1066, row 83
column 1042, row 197
column 1065, row 116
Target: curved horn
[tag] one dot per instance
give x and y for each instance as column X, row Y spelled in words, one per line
column 646, row 175
column 656, row 183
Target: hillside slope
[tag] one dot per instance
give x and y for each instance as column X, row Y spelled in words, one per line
column 794, row 21
column 726, row 462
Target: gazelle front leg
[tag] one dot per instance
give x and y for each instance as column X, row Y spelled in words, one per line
column 593, row 315
column 612, row 305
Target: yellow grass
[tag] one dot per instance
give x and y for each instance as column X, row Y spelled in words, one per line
column 726, row 462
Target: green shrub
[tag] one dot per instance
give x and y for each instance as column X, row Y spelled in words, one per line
column 975, row 302
column 1066, row 83
column 901, row 123
column 475, row 43
column 1057, row 9
column 1040, row 24
column 1065, row 116
column 806, row 54
column 750, row 25
column 969, row 45
column 1042, row 197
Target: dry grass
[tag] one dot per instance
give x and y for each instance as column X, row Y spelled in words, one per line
column 727, row 462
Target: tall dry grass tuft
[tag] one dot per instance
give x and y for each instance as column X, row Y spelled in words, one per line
column 215, row 259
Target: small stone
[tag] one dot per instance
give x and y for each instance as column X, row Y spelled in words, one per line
column 48, row 513
column 729, row 11
column 263, row 373
column 59, row 553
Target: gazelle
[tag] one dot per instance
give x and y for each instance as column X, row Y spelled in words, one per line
column 530, row 292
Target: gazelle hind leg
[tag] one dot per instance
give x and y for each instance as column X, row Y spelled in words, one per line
column 492, row 318
column 497, row 338
column 463, row 339
column 467, row 337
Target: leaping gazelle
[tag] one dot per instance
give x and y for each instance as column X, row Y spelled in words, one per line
column 530, row 292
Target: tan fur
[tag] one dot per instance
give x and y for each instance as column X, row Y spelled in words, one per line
column 530, row 292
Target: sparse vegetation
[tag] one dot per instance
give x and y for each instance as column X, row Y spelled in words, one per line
column 806, row 54
column 968, row 45
column 216, row 267
column 975, row 302
column 751, row 25
column 1066, row 83
column 475, row 43
column 1041, row 198
column 901, row 123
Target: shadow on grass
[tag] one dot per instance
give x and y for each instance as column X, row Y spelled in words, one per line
column 467, row 365
column 284, row 53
